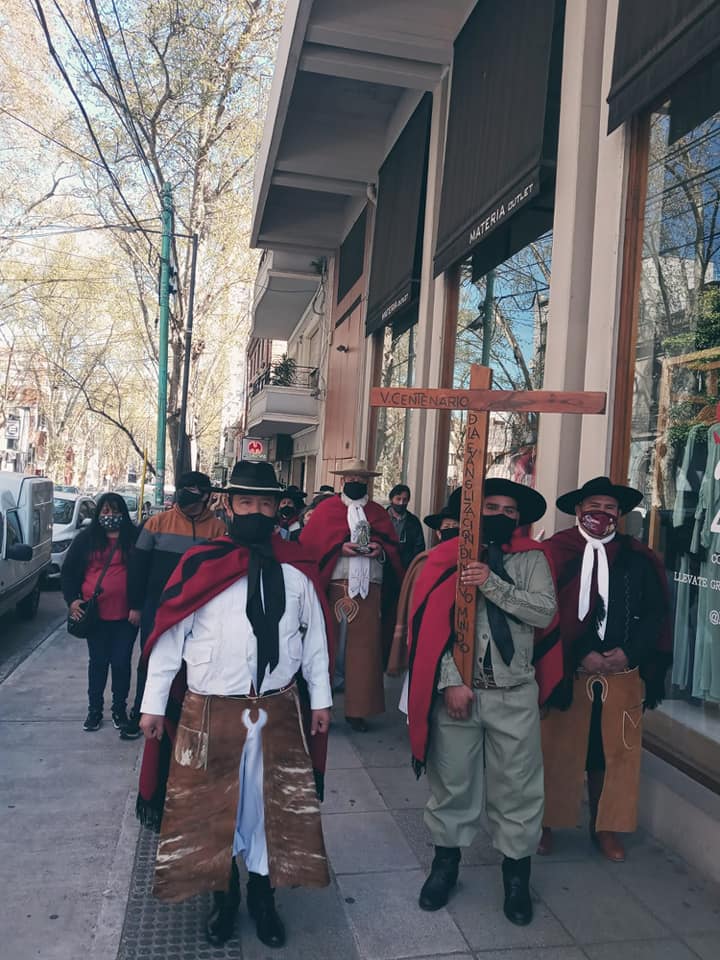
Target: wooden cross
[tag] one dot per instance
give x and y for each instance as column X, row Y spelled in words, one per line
column 477, row 402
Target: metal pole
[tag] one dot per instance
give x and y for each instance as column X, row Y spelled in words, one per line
column 164, row 319
column 488, row 317
column 182, row 426
column 141, row 498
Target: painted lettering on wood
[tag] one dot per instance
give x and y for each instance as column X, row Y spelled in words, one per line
column 527, row 401
column 469, row 541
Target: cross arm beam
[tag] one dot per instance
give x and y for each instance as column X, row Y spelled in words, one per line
column 531, row 401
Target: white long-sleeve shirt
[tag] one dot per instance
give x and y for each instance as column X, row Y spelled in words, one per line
column 219, row 647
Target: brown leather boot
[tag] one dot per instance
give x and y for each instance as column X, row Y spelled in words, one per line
column 545, row 847
column 607, row 842
column 609, row 845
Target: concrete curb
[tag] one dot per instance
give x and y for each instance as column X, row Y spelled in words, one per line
column 105, row 941
column 31, row 657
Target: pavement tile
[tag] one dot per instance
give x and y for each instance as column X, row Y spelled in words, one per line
column 400, row 789
column 341, row 753
column 590, row 904
column 571, row 845
column 476, row 905
column 351, row 791
column 686, row 902
column 640, row 950
column 533, row 953
column 404, row 930
column 411, row 823
column 705, row 946
column 366, row 843
column 385, row 744
column 304, row 913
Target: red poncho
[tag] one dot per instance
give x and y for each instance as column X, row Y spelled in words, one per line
column 566, row 551
column 203, row 573
column 432, row 632
column 325, row 535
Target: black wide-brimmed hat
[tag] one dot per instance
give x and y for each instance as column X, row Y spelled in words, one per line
column 254, row 478
column 627, row 497
column 295, row 494
column 451, row 511
column 531, row 504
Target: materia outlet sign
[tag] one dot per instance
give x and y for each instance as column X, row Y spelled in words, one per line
column 254, row 448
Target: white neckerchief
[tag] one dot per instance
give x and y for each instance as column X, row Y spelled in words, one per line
column 593, row 548
column 358, row 567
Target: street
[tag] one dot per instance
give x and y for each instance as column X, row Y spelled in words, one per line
column 18, row 637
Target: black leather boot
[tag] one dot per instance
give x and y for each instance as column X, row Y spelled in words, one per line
column 220, row 924
column 516, row 880
column 443, row 877
column 261, row 907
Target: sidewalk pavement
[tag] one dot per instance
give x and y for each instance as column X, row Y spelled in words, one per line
column 73, row 859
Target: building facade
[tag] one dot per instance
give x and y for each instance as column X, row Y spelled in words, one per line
column 533, row 185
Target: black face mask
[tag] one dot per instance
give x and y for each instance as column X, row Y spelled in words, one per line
column 251, row 528
column 497, row 529
column 186, row 498
column 355, row 490
column 287, row 513
column 449, row 533
column 400, row 508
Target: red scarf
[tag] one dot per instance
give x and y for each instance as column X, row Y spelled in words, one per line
column 203, row 573
column 566, row 549
column 432, row 632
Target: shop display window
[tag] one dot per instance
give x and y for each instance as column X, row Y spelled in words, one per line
column 502, row 323
column 393, row 423
column 674, row 450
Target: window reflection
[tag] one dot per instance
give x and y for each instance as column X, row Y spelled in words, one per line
column 502, row 323
column 393, row 424
column 675, row 433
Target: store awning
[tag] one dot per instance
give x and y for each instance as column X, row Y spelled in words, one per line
column 399, row 223
column 351, row 257
column 502, row 129
column 349, row 75
column 655, row 45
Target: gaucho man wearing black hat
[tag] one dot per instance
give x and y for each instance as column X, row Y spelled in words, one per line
column 615, row 632
column 240, row 734
column 482, row 741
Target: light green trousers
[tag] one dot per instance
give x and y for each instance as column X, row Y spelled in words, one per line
column 496, row 753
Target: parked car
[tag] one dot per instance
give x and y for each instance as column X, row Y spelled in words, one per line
column 65, row 488
column 71, row 512
column 26, row 505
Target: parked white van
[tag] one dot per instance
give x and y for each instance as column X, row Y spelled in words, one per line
column 26, row 515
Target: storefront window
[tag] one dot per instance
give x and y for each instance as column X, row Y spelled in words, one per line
column 398, row 370
column 675, row 429
column 502, row 323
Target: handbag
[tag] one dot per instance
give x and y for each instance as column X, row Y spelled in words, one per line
column 84, row 625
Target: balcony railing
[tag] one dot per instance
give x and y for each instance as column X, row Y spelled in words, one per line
column 280, row 373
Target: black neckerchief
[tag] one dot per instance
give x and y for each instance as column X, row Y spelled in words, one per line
column 499, row 627
column 265, row 606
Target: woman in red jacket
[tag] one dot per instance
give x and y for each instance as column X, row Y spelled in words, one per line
column 111, row 535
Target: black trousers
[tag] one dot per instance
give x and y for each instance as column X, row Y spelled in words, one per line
column 596, row 755
column 110, row 647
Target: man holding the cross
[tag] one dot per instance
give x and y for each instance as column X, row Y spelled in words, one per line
column 481, row 734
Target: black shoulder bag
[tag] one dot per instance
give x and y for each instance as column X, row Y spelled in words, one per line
column 84, row 625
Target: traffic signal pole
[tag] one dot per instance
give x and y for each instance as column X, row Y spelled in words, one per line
column 163, row 321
